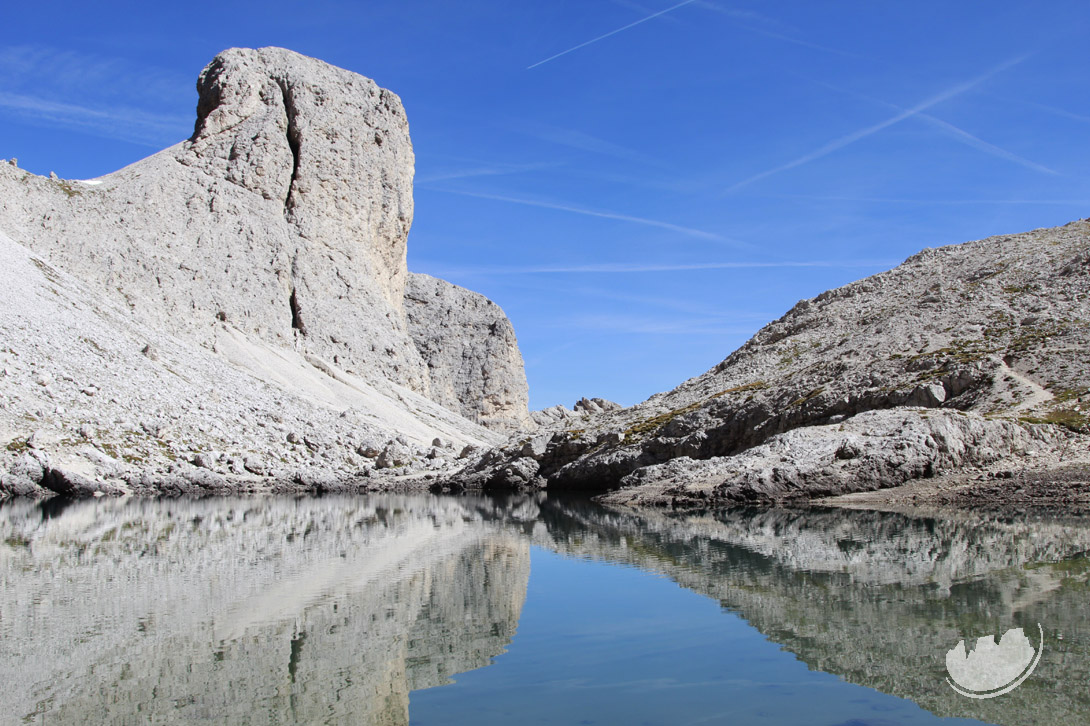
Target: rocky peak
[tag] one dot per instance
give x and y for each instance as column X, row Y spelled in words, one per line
column 328, row 144
column 283, row 220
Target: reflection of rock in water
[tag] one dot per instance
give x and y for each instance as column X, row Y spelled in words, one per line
column 253, row 611
column 876, row 598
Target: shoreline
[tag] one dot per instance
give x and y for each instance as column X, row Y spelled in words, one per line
column 1002, row 485
column 1007, row 484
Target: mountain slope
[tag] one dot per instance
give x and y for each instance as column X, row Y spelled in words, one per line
column 962, row 355
column 92, row 400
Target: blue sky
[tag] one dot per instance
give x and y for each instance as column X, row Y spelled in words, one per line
column 640, row 184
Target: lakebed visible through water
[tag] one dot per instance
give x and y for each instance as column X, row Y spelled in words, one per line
column 538, row 610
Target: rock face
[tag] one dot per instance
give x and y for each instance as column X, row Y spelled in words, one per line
column 469, row 347
column 272, row 241
column 93, row 401
column 284, row 217
column 584, row 408
column 959, row 357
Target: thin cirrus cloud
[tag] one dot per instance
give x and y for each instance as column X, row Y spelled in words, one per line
column 611, row 33
column 131, row 125
column 751, row 22
column 46, row 70
column 632, row 324
column 687, row 231
column 631, row 268
column 927, row 202
column 104, row 96
column 653, row 302
column 469, row 172
column 581, row 141
column 848, row 139
column 663, row 303
column 1054, row 110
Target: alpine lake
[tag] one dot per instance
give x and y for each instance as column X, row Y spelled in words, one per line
column 525, row 610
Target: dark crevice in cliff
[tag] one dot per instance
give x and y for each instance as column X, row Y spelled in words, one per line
column 209, row 94
column 296, row 313
column 294, row 143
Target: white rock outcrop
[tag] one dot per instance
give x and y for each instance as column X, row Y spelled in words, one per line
column 248, row 289
column 285, row 215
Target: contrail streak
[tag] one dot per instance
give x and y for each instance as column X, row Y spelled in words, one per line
column 688, row 231
column 624, row 267
column 612, row 32
column 987, row 148
column 851, row 138
column 959, row 133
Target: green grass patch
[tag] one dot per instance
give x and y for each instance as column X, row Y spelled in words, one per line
column 812, row 394
column 650, row 425
column 1069, row 418
column 755, row 386
column 66, row 186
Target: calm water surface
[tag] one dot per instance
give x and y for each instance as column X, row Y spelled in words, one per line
column 425, row 610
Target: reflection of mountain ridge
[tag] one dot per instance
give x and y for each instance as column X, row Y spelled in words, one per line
column 876, row 598
column 327, row 610
column 334, row 609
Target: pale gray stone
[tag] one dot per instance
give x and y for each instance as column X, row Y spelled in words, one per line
column 394, row 455
column 470, row 349
column 275, row 233
column 1000, row 346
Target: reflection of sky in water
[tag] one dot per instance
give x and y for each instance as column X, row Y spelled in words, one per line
column 332, row 610
column 602, row 644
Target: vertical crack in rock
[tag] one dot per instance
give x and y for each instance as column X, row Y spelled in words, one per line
column 294, row 143
column 296, row 313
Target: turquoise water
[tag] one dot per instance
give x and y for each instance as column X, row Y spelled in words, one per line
column 526, row 610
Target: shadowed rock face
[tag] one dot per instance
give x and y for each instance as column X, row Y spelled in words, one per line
column 876, row 598
column 284, row 218
column 251, row 611
column 470, row 349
